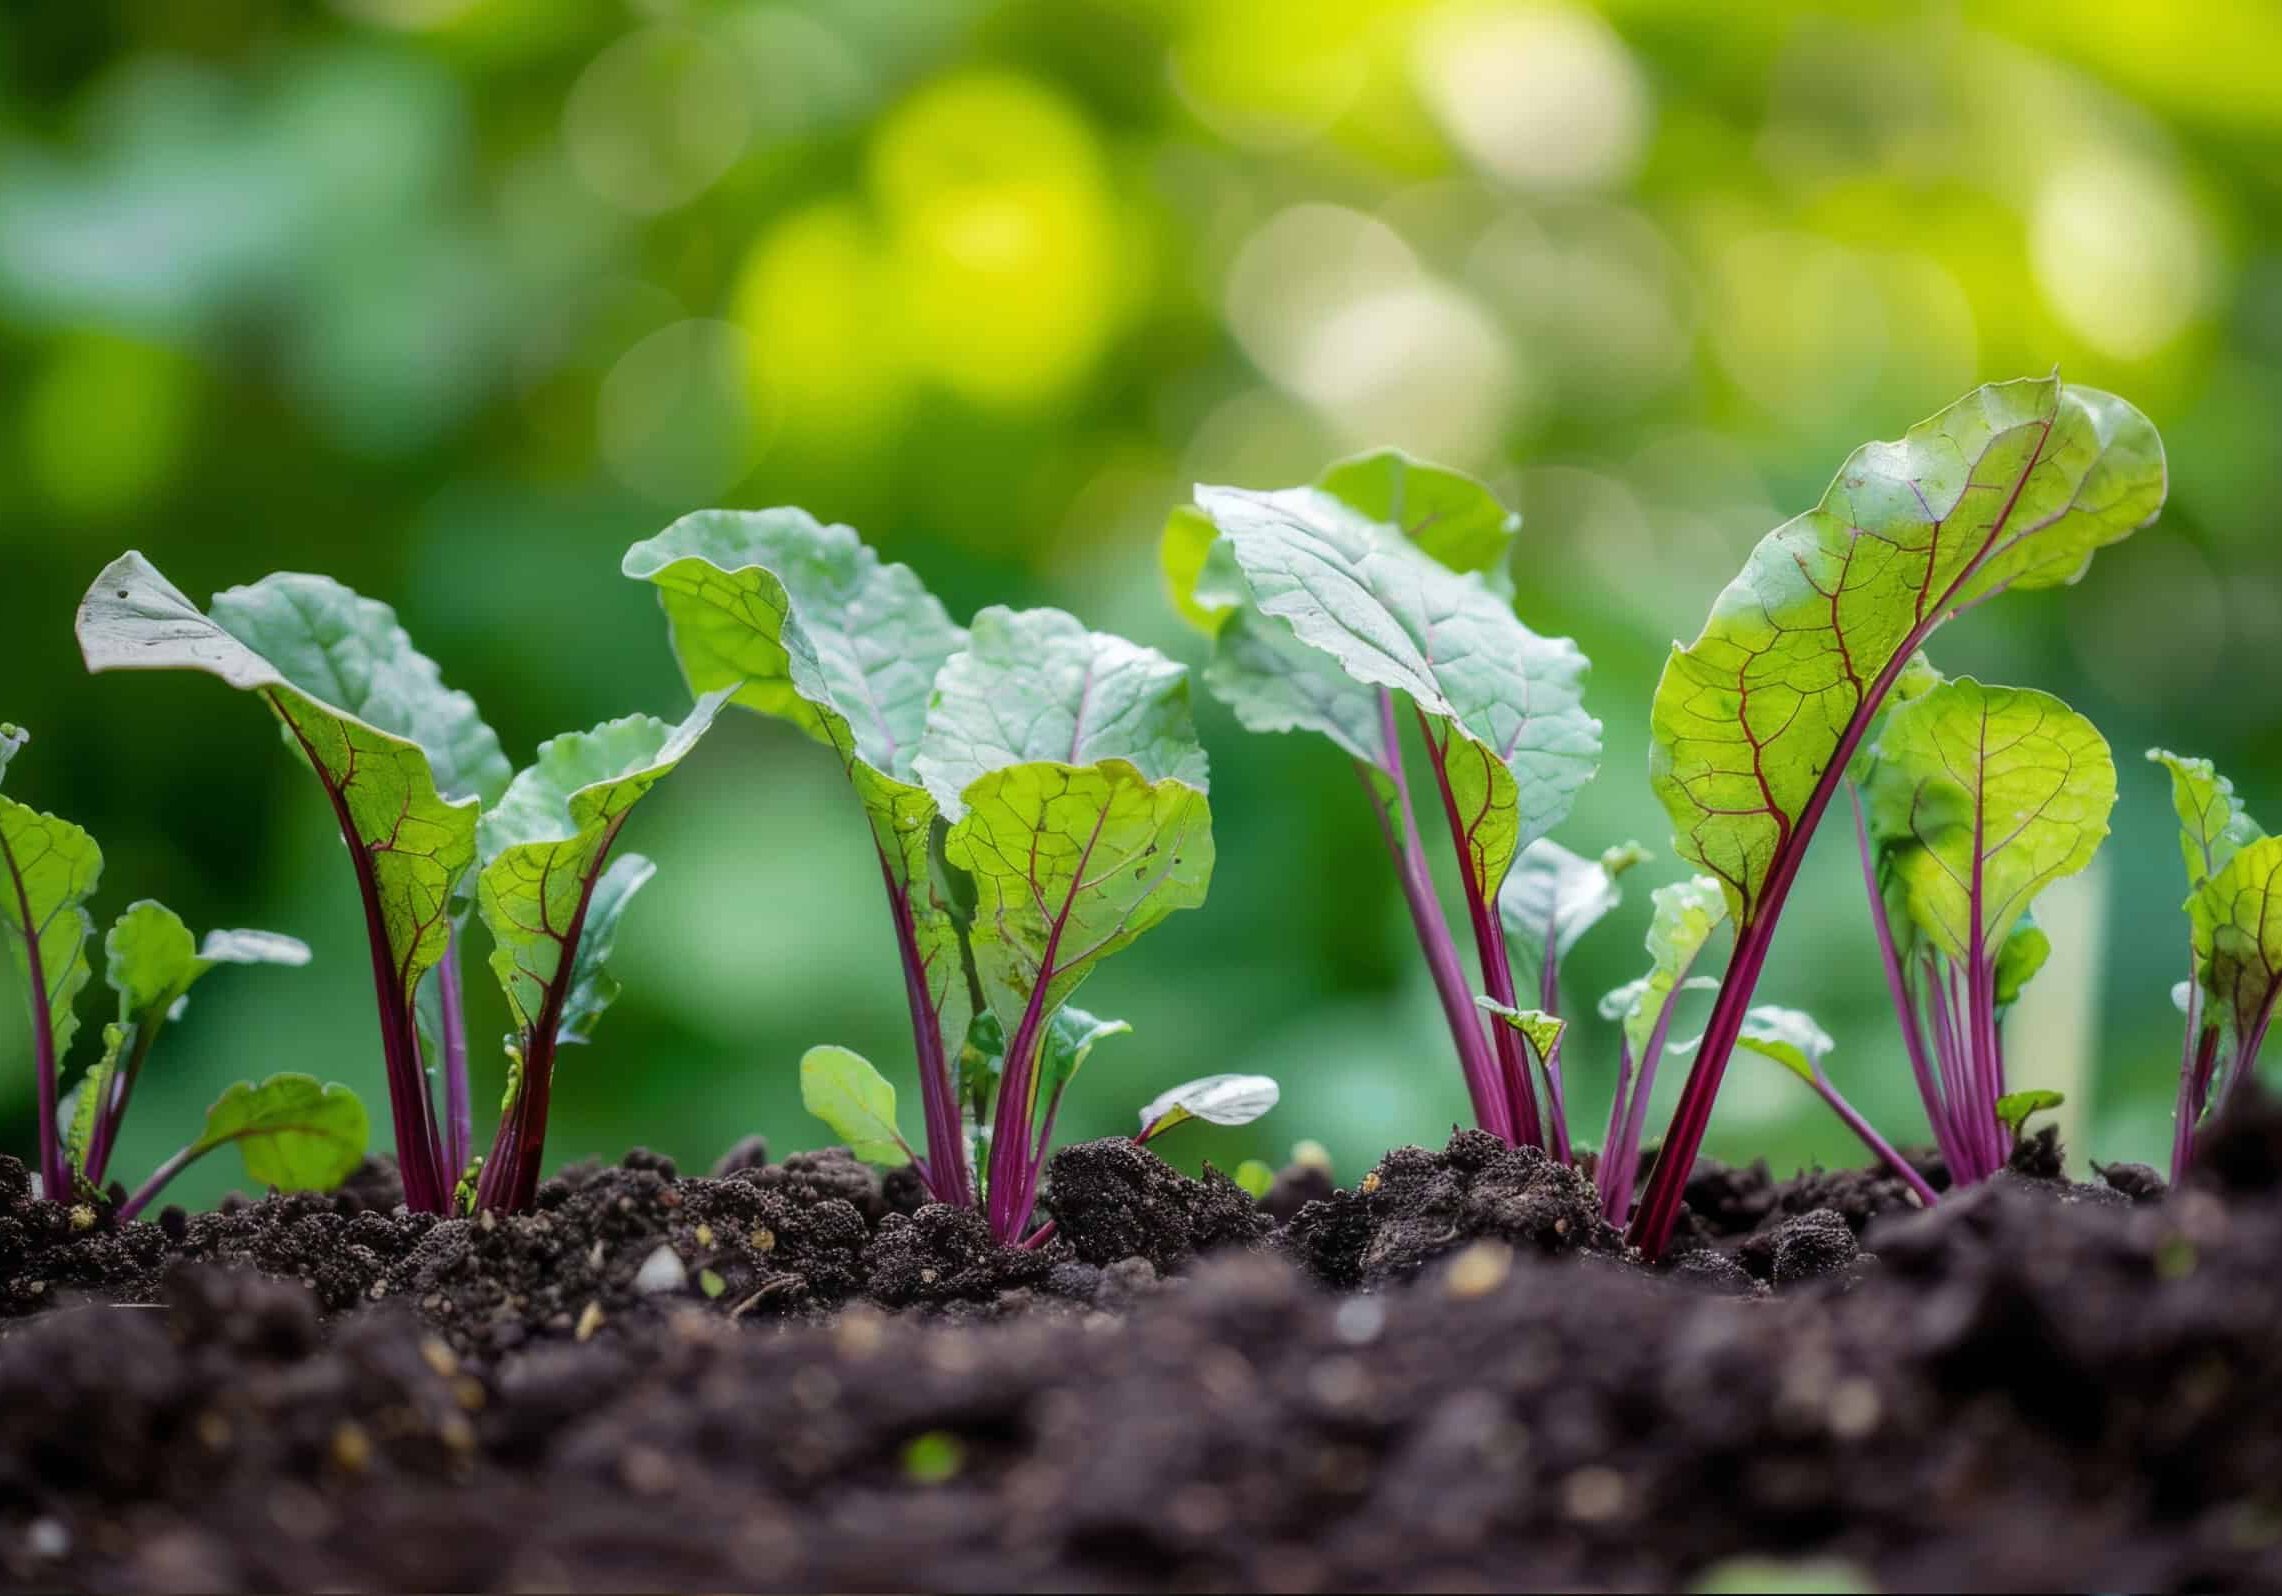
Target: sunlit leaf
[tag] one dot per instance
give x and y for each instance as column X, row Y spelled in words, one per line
column 1215, row 1099
column 844, row 1091
column 294, row 1132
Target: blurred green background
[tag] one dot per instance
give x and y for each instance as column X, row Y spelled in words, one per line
column 454, row 299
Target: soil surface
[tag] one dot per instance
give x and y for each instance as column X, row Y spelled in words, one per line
column 1451, row 1376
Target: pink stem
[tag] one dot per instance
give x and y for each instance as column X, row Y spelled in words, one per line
column 947, row 1177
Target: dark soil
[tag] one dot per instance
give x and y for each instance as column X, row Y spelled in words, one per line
column 794, row 1376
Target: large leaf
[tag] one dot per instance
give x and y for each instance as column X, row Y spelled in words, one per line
column 404, row 760
column 2015, row 485
column 1037, row 686
column 544, row 848
column 295, row 1133
column 810, row 627
column 2237, row 917
column 842, row 1089
column 1551, row 890
column 1686, row 914
column 1389, row 616
column 2213, row 826
column 48, row 870
column 1983, row 797
column 1070, row 865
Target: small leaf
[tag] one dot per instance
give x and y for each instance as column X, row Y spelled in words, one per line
column 81, row 1110
column 1216, row 1099
column 1686, row 915
column 294, row 1132
column 844, row 1091
column 2014, row 1108
column 935, row 1458
column 2213, row 826
column 2237, row 917
column 1256, row 1178
column 2019, row 960
column 1550, row 886
column 1981, row 798
column 1789, row 1037
column 1542, row 1030
column 545, row 845
column 49, row 868
column 12, row 740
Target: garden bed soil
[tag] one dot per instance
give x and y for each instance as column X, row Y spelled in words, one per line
column 1452, row 1376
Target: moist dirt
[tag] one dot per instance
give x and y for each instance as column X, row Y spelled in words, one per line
column 1452, row 1375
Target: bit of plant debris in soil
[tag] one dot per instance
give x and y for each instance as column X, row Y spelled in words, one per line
column 791, row 1376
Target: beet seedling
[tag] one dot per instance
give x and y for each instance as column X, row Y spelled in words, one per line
column 1971, row 802
column 410, row 770
column 1036, row 797
column 293, row 1132
column 1387, row 578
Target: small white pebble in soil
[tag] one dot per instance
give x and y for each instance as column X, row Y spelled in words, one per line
column 1854, row 1409
column 589, row 1321
column 646, row 1471
column 1359, row 1321
column 47, row 1539
column 1594, row 1495
column 661, row 1272
column 1478, row 1271
column 82, row 1217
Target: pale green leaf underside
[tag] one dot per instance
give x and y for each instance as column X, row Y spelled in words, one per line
column 2003, row 786
column 1445, row 514
column 1388, row 616
column 2015, row 485
column 294, row 1132
column 842, row 1089
column 1215, row 1099
column 592, row 987
column 49, row 868
column 2237, row 917
column 1789, row 1037
column 12, row 740
column 1071, row 864
column 1552, row 889
column 2213, row 826
column 416, row 843
column 546, row 842
column 1036, row 687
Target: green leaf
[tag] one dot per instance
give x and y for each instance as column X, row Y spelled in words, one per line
column 844, row 1091
column 1037, row 686
column 1789, row 1037
column 2021, row 957
column 1215, row 1099
column 1445, row 514
column 406, row 783
column 294, row 1133
column 1542, row 1030
column 79, row 1114
column 1552, row 888
column 2015, row 485
column 544, row 847
column 1686, row 914
column 593, row 988
column 12, row 740
column 1256, row 1178
column 2213, row 827
column 809, row 626
column 1070, row 865
column 1069, row 1040
column 2014, row 1108
column 1389, row 616
column 1986, row 796
column 48, row 870
column 2237, row 917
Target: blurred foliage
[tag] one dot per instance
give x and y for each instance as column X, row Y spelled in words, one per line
column 454, row 299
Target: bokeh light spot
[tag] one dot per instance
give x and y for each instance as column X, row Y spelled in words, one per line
column 105, row 422
column 656, row 119
column 2120, row 253
column 1545, row 97
column 674, row 417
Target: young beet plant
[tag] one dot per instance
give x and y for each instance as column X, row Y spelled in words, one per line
column 1972, row 801
column 1757, row 722
column 1036, row 798
column 2234, row 908
column 1383, row 586
column 409, row 769
column 293, row 1132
